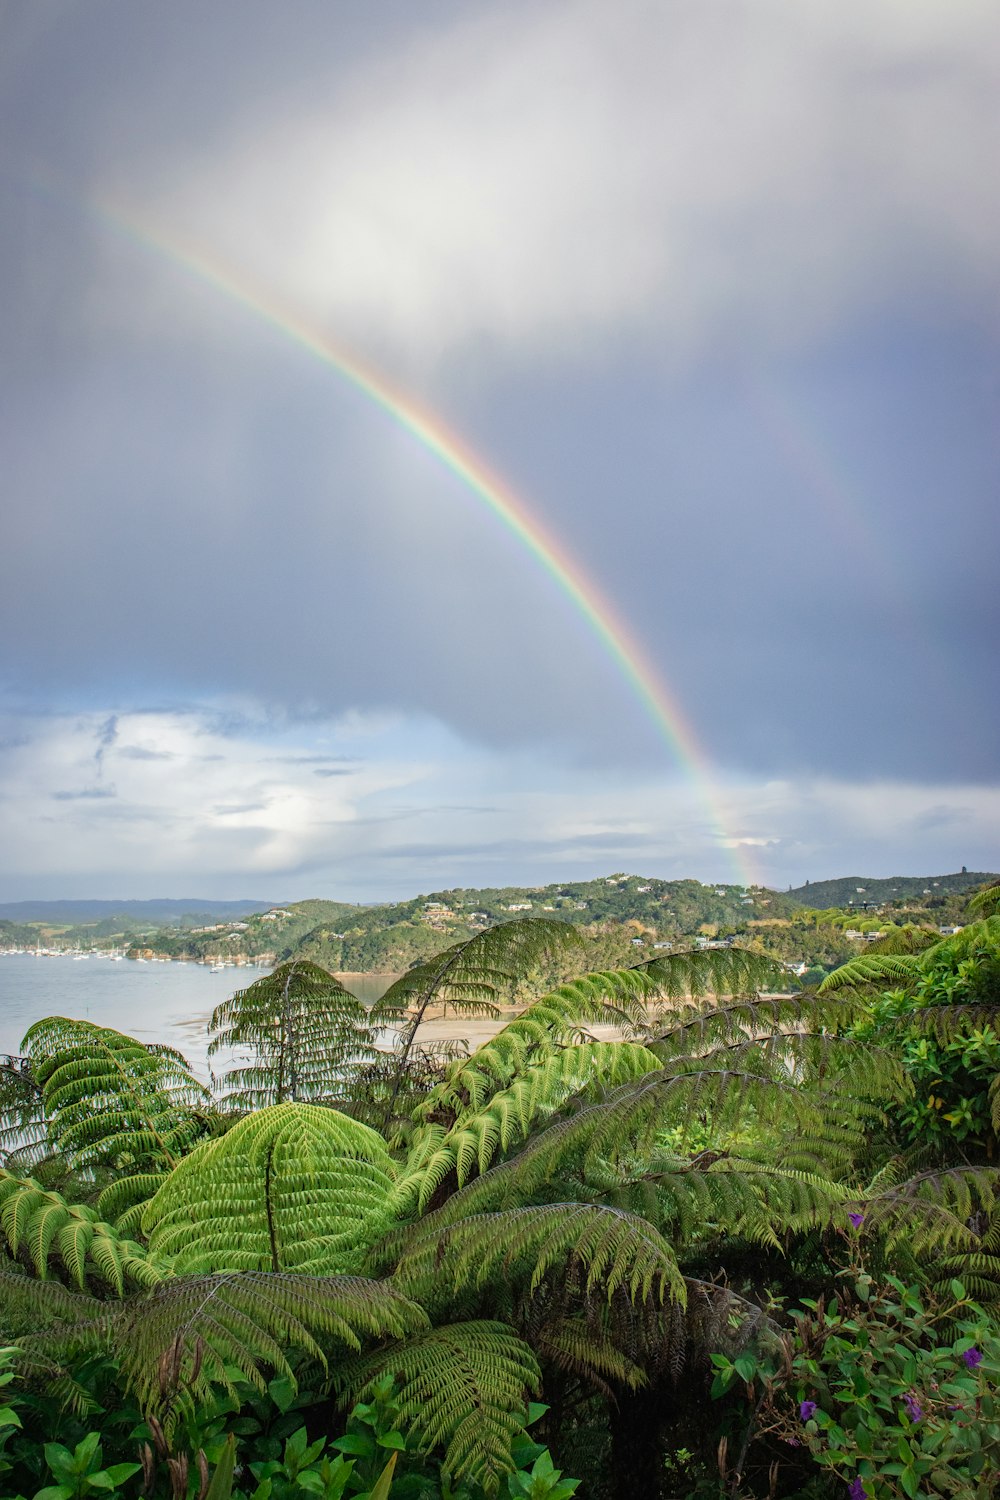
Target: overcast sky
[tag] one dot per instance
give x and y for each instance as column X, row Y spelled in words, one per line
column 713, row 287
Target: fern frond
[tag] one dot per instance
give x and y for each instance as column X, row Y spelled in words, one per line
column 481, row 970
column 463, row 1387
column 49, row 1233
column 613, row 1247
column 506, row 1117
column 293, row 1187
column 986, row 900
column 868, row 972
column 307, row 1036
column 191, row 1332
column 909, row 938
column 733, row 1195
column 977, row 939
column 696, row 1029
column 930, row 1213
column 576, row 1348
column 111, row 1101
column 714, row 971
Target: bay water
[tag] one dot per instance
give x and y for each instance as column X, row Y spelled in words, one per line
column 155, row 1001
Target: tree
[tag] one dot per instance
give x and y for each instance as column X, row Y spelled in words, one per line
column 555, row 1207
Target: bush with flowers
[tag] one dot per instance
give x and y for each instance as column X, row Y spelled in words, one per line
column 891, row 1392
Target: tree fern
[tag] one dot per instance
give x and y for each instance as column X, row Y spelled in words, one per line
column 471, row 977
column 110, row 1101
column 305, row 1033
column 463, row 1388
column 986, row 901
column 292, row 1187
column 613, row 1247
column 50, row 1235
column 873, row 972
column 23, row 1132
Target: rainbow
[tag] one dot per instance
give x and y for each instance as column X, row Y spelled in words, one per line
column 658, row 702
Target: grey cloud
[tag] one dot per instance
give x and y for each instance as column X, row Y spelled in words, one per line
column 140, row 752
column 943, row 816
column 716, row 301
column 85, row 794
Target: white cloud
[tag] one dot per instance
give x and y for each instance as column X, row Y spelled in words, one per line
column 535, row 177
column 230, row 805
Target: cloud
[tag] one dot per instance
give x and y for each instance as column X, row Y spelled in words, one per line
column 86, row 794
column 142, row 752
column 427, row 810
column 522, row 181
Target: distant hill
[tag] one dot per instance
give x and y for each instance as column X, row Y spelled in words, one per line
column 163, row 912
column 857, row 890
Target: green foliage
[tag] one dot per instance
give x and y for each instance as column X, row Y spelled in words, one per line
column 472, row 977
column 112, row 1101
column 107, row 1102
column 81, row 1472
column 893, row 1393
column 462, row 1387
column 291, row 1187
column 39, row 1228
column 305, row 1032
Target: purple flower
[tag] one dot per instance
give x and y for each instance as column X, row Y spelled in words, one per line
column 806, row 1410
column 972, row 1358
column 857, row 1220
column 913, row 1408
column 857, row 1490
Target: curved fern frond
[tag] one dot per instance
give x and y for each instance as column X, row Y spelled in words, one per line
column 869, row 971
column 480, row 971
column 732, row 1195
column 472, row 977
column 986, row 900
column 575, row 1347
column 293, row 1187
column 614, row 1248
column 506, row 1117
column 696, row 1029
column 930, row 1213
column 306, row 1034
column 463, row 1387
column 191, row 1332
column 714, row 971
column 111, row 1101
column 909, row 938
column 976, row 940
column 45, row 1232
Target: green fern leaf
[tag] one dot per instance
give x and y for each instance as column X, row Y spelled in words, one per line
column 463, row 1388
column 294, row 1187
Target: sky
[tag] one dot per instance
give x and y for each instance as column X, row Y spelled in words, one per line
column 704, row 296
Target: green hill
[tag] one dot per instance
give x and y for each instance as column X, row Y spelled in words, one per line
column 862, row 890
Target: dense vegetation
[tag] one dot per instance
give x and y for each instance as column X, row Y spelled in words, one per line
column 750, row 1246
column 615, row 914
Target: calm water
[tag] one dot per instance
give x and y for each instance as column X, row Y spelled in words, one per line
column 156, row 1002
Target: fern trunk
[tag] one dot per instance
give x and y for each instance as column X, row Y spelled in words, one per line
column 636, row 1447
